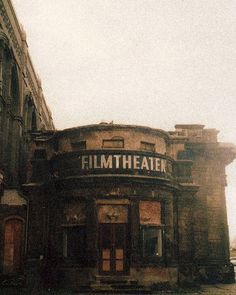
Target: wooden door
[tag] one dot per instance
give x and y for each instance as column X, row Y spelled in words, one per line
column 13, row 246
column 113, row 249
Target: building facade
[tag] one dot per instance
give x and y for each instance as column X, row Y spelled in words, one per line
column 103, row 202
column 113, row 201
column 22, row 110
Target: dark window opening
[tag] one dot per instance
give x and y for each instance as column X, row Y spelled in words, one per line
column 152, row 241
column 113, row 143
column 33, row 122
column 74, row 244
column 56, row 146
column 79, row 145
column 147, row 146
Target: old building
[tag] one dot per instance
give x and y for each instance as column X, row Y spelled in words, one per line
column 112, row 200
column 103, row 203
column 22, row 110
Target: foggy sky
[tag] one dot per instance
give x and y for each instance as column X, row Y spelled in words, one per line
column 149, row 62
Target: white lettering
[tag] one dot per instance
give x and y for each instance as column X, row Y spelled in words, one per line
column 90, row 162
column 127, row 162
column 151, row 163
column 106, row 163
column 84, row 162
column 123, row 162
column 96, row 166
column 136, row 162
column 157, row 164
column 145, row 164
column 163, row 165
column 117, row 157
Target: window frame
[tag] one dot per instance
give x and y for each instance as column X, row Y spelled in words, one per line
column 80, row 260
column 113, row 140
column 144, row 144
column 79, row 145
column 22, row 252
column 152, row 258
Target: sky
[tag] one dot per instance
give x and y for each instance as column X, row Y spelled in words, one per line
column 147, row 62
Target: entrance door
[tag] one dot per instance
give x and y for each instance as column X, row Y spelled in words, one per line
column 113, row 249
column 13, row 246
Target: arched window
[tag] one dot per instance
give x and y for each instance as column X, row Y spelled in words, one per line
column 33, row 121
column 13, row 245
column 14, row 91
column 30, row 121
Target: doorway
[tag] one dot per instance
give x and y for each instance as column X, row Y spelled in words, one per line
column 13, row 246
column 113, row 249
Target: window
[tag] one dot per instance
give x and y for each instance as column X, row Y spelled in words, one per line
column 78, row 145
column 152, row 241
column 74, row 232
column 151, row 228
column 13, row 246
column 113, row 143
column 147, row 146
column 74, row 244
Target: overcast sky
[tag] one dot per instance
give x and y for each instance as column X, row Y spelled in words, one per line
column 149, row 62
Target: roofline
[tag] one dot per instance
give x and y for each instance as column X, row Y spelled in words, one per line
column 109, row 126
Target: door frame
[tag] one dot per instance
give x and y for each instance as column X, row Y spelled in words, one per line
column 113, row 258
column 23, row 242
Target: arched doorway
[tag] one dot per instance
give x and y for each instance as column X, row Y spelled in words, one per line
column 13, row 245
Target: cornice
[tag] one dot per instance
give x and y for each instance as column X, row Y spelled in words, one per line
column 10, row 30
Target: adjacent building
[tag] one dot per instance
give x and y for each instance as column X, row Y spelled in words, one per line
column 22, row 109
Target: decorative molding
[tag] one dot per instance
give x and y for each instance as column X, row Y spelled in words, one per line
column 18, row 118
column 10, row 30
column 32, row 87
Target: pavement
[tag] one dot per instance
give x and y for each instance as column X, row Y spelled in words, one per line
column 222, row 289
column 225, row 289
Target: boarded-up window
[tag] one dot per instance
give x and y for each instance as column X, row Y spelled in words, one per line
column 78, row 145
column 113, row 143
column 13, row 246
column 150, row 212
column 147, row 146
column 151, row 228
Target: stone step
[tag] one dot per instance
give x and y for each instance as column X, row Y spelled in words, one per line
column 115, row 280
column 117, row 285
column 121, row 291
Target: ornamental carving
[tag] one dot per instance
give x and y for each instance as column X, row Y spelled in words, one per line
column 75, row 214
column 112, row 214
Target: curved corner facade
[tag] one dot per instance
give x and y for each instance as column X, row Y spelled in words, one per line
column 130, row 201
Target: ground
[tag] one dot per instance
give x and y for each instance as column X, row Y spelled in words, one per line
column 222, row 289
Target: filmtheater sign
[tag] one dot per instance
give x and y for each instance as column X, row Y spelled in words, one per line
column 136, row 162
column 113, row 162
